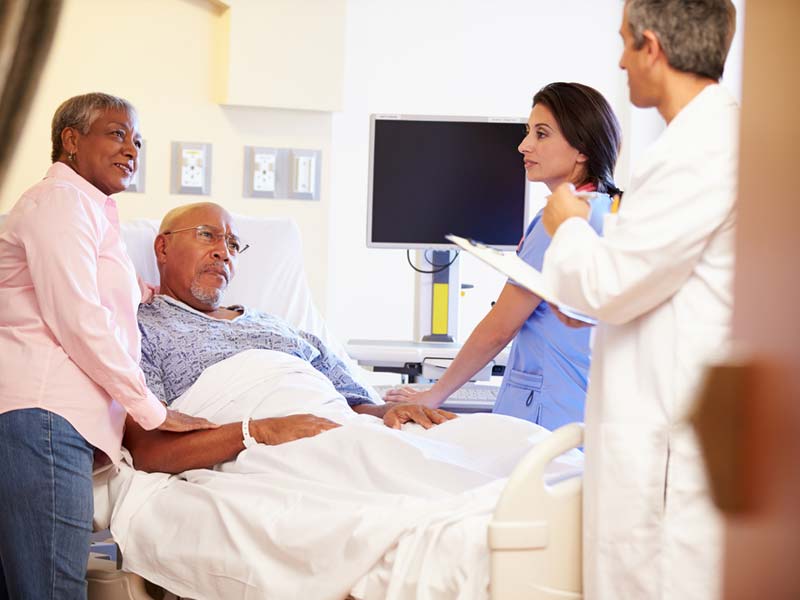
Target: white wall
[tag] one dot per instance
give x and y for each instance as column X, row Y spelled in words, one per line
column 454, row 58
column 465, row 58
column 284, row 54
column 469, row 57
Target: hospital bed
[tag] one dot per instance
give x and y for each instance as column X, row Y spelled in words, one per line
column 534, row 536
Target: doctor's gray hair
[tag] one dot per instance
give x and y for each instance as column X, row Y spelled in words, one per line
column 695, row 35
column 79, row 112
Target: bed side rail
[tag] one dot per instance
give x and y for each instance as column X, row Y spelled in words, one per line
column 535, row 534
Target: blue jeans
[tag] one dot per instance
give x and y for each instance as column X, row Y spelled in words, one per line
column 46, row 507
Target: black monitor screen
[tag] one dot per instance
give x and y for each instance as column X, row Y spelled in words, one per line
column 434, row 177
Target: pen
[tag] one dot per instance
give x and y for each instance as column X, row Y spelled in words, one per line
column 615, row 203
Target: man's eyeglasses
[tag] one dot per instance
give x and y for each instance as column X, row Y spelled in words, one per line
column 209, row 236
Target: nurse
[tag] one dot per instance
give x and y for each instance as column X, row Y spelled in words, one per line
column 572, row 137
column 660, row 280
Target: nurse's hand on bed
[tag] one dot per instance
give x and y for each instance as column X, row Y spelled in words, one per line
column 178, row 421
column 414, row 396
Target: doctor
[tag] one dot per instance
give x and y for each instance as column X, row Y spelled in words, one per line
column 660, row 280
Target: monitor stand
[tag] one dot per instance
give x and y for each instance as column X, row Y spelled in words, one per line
column 437, row 297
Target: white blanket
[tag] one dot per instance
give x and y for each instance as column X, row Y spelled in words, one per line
column 360, row 509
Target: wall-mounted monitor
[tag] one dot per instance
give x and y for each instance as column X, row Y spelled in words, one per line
column 430, row 176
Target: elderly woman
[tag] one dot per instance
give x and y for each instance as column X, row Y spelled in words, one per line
column 70, row 349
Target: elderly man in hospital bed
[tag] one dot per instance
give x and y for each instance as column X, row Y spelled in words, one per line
column 335, row 503
column 185, row 330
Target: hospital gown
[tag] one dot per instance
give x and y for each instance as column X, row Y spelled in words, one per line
column 178, row 343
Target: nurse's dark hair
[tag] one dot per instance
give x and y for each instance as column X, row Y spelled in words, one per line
column 79, row 112
column 589, row 125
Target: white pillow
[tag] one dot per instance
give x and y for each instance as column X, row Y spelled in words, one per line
column 270, row 276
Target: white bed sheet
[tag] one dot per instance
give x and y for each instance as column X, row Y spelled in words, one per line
column 361, row 509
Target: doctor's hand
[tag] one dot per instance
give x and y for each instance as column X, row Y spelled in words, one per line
column 178, row 421
column 561, row 205
column 568, row 321
column 279, row 430
column 398, row 414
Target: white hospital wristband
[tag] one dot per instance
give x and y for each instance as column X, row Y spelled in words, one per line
column 249, row 440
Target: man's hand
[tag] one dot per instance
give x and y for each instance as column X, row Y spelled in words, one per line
column 178, row 422
column 174, row 452
column 568, row 321
column 279, row 430
column 561, row 205
column 399, row 413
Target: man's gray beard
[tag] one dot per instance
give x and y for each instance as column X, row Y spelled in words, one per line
column 209, row 296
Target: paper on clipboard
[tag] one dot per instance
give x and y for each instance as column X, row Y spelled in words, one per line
column 517, row 269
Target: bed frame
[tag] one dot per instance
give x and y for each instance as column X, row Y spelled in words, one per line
column 535, row 534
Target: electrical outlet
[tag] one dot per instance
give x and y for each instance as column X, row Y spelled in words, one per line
column 262, row 172
column 191, row 168
column 305, row 174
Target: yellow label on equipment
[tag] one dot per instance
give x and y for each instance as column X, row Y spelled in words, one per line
column 439, row 309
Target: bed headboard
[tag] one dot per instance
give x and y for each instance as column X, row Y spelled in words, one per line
column 270, row 276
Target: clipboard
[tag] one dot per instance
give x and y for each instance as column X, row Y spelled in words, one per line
column 521, row 272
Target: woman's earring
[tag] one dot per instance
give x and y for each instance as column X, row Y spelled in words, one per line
column 71, row 156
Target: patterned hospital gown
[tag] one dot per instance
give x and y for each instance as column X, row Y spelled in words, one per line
column 178, row 343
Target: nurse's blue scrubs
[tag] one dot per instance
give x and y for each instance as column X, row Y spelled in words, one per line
column 547, row 372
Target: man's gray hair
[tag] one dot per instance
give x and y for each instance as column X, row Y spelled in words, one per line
column 79, row 112
column 694, row 34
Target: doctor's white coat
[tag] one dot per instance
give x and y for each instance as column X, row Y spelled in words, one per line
column 660, row 282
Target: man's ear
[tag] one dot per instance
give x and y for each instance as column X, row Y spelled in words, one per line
column 69, row 139
column 651, row 47
column 160, row 248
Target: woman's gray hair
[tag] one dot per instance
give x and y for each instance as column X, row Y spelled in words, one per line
column 694, row 34
column 79, row 112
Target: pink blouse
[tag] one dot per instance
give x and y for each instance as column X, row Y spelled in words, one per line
column 69, row 341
